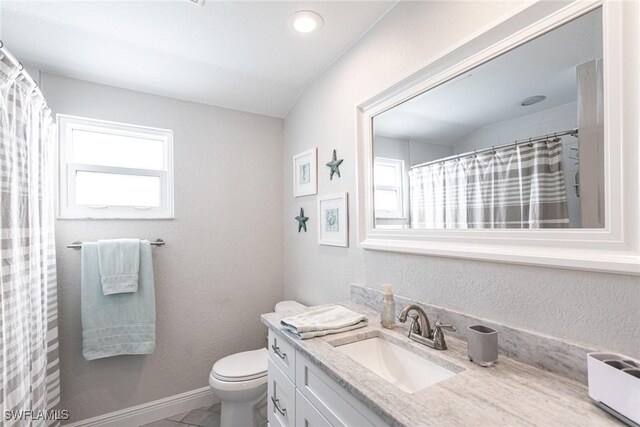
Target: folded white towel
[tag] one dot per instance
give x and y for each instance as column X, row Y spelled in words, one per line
column 329, row 320
column 307, row 335
column 119, row 261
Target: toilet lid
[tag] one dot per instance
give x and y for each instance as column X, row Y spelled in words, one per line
column 289, row 305
column 247, row 365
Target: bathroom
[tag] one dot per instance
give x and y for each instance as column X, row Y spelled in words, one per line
column 260, row 187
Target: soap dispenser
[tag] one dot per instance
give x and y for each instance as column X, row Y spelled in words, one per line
column 388, row 312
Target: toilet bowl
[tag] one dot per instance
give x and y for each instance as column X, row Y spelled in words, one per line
column 240, row 381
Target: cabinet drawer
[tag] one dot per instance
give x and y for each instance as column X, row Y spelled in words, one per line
column 282, row 354
column 281, row 402
column 337, row 406
column 307, row 415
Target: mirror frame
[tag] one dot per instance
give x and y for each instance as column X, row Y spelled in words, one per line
column 614, row 248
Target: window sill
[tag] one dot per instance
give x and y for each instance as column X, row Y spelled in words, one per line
column 102, row 218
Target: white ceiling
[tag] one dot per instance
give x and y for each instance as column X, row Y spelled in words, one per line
column 234, row 54
column 492, row 92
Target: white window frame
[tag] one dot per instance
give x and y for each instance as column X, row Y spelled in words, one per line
column 68, row 209
column 398, row 165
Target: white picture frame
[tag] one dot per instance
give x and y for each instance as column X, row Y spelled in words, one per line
column 333, row 220
column 305, row 173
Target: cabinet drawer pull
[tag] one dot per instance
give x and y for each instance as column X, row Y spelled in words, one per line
column 276, row 404
column 277, row 351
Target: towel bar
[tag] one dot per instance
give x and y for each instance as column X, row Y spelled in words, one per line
column 78, row 245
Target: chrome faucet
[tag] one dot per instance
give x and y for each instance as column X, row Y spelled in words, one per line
column 420, row 329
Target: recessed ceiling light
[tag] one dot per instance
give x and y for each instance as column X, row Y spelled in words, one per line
column 306, row 21
column 532, row 100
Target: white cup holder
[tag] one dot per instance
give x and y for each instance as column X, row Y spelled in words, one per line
column 626, row 366
column 614, row 383
column 632, row 371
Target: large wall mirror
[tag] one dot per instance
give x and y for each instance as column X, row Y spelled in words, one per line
column 518, row 145
column 516, row 142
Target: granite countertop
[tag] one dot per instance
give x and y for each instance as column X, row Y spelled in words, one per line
column 508, row 393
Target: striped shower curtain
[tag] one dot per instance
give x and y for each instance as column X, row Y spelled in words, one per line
column 516, row 187
column 29, row 372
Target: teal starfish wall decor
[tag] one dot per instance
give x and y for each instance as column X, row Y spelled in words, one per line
column 302, row 221
column 334, row 164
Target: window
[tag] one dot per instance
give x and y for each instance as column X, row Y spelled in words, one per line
column 389, row 185
column 114, row 170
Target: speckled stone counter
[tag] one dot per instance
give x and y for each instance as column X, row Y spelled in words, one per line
column 509, row 393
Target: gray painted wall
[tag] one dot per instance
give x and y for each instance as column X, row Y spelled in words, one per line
column 592, row 308
column 423, row 151
column 222, row 264
column 391, row 148
column 413, row 152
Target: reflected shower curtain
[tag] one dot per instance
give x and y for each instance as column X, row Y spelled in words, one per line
column 515, row 187
column 29, row 373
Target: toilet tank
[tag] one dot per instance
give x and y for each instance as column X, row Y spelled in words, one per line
column 289, row 306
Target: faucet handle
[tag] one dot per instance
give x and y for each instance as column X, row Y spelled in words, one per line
column 438, row 336
column 445, row 326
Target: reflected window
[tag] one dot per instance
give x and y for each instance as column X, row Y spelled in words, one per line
column 389, row 188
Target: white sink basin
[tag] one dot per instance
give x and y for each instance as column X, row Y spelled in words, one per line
column 402, row 368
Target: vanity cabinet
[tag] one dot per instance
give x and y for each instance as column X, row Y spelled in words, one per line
column 300, row 394
column 307, row 414
column 281, row 402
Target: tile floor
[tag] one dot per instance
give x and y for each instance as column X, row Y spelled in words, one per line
column 203, row 417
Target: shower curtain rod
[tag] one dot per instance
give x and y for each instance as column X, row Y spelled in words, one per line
column 572, row 132
column 21, row 70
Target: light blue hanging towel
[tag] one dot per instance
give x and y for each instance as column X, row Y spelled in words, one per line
column 119, row 261
column 122, row 323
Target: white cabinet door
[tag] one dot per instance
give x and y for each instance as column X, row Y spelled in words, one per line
column 334, row 403
column 307, row 415
column 281, row 402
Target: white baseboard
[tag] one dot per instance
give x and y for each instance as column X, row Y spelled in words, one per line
column 152, row 411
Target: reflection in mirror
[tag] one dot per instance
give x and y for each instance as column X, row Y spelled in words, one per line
column 517, row 142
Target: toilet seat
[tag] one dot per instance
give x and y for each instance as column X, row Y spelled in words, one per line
column 222, row 385
column 241, row 367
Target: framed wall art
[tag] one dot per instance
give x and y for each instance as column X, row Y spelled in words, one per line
column 333, row 220
column 305, row 173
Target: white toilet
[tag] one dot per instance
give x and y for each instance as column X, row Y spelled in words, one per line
column 240, row 381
